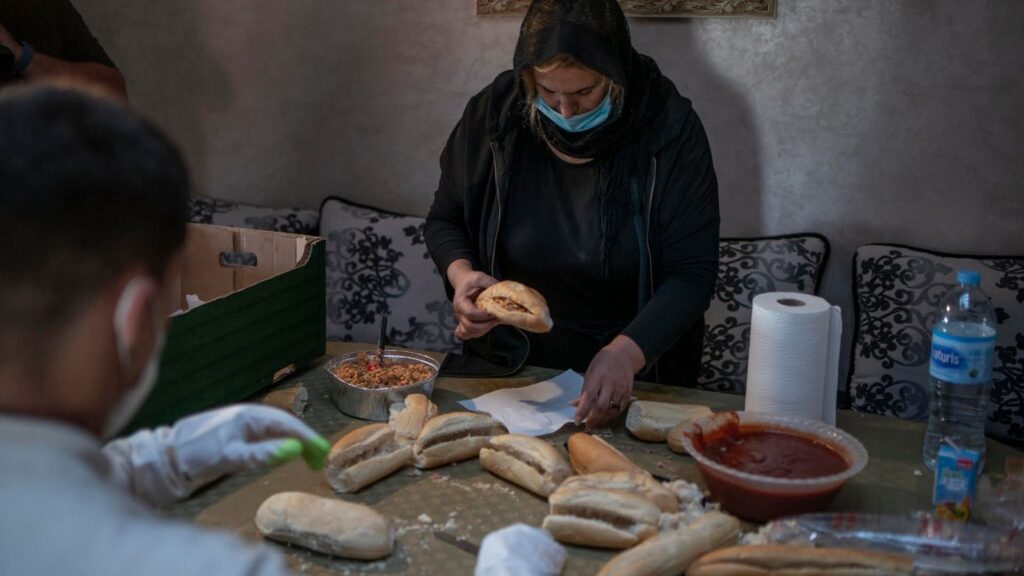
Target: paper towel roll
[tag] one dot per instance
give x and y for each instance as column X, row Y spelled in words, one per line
column 793, row 367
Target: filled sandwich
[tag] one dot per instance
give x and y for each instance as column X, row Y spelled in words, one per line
column 639, row 483
column 364, row 456
column 779, row 559
column 527, row 461
column 453, row 437
column 600, row 518
column 670, row 553
column 517, row 305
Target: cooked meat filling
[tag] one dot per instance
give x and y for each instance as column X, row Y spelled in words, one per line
column 460, row 434
column 616, row 520
column 522, row 457
column 510, row 305
column 366, row 371
column 367, row 452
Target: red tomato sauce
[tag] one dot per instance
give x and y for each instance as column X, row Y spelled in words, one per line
column 774, row 453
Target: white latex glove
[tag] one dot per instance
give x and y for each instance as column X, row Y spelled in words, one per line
column 167, row 464
column 520, row 550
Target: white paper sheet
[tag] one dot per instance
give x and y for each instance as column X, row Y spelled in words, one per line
column 534, row 410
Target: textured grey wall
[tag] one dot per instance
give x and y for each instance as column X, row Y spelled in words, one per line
column 866, row 120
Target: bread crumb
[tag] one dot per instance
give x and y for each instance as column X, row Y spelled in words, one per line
column 499, row 487
column 755, row 538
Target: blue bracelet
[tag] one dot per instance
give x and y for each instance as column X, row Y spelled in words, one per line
column 27, row 52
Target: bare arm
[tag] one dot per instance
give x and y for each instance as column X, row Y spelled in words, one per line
column 44, row 67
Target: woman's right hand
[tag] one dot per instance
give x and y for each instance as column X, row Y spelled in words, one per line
column 468, row 283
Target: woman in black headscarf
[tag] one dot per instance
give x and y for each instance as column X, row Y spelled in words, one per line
column 583, row 174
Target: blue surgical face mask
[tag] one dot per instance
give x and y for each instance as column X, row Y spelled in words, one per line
column 580, row 122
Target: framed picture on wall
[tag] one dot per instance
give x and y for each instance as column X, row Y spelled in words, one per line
column 658, row 8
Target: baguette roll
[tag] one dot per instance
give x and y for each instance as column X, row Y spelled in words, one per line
column 600, row 518
column 590, row 454
column 517, row 305
column 651, row 421
column 364, row 456
column 293, row 400
column 527, row 461
column 669, row 553
column 408, row 417
column 325, row 525
column 639, row 483
column 453, row 437
column 779, row 560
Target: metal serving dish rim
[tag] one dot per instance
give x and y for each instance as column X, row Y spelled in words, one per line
column 373, row 403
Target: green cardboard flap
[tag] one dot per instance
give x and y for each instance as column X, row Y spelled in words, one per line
column 256, row 320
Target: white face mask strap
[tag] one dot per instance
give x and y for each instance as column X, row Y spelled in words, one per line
column 121, row 311
column 131, row 401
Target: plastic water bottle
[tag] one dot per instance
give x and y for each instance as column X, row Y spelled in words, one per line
column 960, row 369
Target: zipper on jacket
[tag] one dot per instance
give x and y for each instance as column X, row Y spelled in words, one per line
column 494, row 251
column 650, row 202
column 650, row 255
column 497, row 201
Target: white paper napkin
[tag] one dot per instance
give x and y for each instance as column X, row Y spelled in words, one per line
column 535, row 410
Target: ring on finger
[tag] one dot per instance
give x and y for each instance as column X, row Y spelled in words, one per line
column 614, row 404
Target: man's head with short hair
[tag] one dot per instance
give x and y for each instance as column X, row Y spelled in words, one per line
column 89, row 195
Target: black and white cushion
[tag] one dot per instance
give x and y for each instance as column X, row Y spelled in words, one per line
column 898, row 290
column 377, row 261
column 224, row 213
column 748, row 267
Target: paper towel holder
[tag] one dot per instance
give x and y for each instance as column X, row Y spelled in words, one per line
column 791, row 302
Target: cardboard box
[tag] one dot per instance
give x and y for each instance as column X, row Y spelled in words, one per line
column 259, row 322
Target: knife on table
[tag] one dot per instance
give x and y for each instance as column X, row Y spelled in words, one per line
column 459, row 542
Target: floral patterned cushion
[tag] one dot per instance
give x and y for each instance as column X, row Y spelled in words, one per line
column 898, row 290
column 746, row 268
column 223, row 213
column 377, row 262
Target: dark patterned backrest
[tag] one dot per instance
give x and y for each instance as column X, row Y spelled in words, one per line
column 225, row 213
column 897, row 293
column 377, row 262
column 748, row 267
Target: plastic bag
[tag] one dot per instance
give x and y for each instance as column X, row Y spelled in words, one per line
column 1002, row 505
column 938, row 546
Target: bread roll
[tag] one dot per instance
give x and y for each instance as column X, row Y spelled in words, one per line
column 651, row 421
column 669, row 553
column 292, row 400
column 600, row 518
column 639, row 483
column 364, row 456
column 779, row 560
column 516, row 305
column 590, row 454
column 527, row 461
column 408, row 417
column 674, row 437
column 325, row 525
column 454, row 436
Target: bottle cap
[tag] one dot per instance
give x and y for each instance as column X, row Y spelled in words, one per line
column 969, row 277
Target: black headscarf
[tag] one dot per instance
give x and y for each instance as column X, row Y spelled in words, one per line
column 596, row 34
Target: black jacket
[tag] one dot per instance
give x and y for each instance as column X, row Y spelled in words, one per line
column 677, row 226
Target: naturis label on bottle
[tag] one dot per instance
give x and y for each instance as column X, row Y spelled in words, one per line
column 962, row 359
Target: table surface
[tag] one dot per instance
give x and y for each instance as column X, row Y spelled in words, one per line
column 466, row 501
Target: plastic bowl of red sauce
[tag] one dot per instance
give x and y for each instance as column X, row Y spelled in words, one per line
column 764, row 466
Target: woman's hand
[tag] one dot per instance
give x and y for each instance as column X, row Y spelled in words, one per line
column 608, row 384
column 468, row 283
